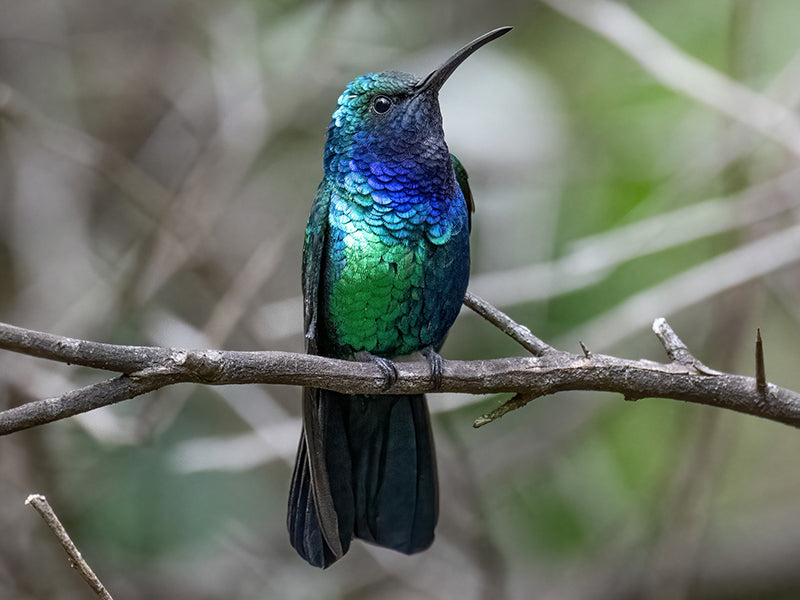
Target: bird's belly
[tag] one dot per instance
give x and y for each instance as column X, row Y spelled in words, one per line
column 390, row 297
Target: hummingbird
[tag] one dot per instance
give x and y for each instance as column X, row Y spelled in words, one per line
column 385, row 270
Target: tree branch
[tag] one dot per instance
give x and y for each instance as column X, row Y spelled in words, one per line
column 77, row 561
column 504, row 323
column 145, row 369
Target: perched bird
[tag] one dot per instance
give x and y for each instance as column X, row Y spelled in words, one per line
column 385, row 270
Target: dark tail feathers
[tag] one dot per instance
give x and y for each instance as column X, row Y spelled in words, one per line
column 378, row 462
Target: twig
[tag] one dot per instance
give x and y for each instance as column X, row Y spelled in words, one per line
column 146, row 369
column 517, row 401
column 83, row 400
column 77, row 561
column 676, row 349
column 504, row 323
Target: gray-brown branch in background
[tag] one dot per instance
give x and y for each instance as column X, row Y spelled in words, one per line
column 76, row 560
column 144, row 369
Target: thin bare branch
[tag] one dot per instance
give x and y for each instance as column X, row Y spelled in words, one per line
column 674, row 346
column 108, row 357
column 517, row 401
column 77, row 561
column 677, row 350
column 504, row 323
column 146, row 369
column 85, row 399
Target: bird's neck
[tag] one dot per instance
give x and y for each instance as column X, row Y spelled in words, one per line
column 408, row 172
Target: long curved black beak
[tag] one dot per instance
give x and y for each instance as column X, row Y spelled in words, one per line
column 434, row 81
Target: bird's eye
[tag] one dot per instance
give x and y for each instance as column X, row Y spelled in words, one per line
column 381, row 104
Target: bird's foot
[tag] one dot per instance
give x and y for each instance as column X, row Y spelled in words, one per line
column 387, row 367
column 436, row 364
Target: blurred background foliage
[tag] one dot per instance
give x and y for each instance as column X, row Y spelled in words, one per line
column 157, row 163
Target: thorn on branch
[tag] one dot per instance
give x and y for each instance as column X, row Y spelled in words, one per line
column 586, row 352
column 761, row 372
column 517, row 401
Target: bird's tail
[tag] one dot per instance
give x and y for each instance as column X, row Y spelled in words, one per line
column 365, row 468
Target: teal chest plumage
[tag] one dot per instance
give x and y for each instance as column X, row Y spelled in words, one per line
column 397, row 263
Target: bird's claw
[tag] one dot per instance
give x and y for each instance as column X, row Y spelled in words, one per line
column 388, row 368
column 436, row 364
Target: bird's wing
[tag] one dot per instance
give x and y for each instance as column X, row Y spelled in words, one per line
column 313, row 256
column 315, row 478
column 463, row 182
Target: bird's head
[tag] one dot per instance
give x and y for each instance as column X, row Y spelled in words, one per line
column 394, row 114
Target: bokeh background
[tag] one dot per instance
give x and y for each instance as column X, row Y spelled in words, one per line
column 157, row 164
